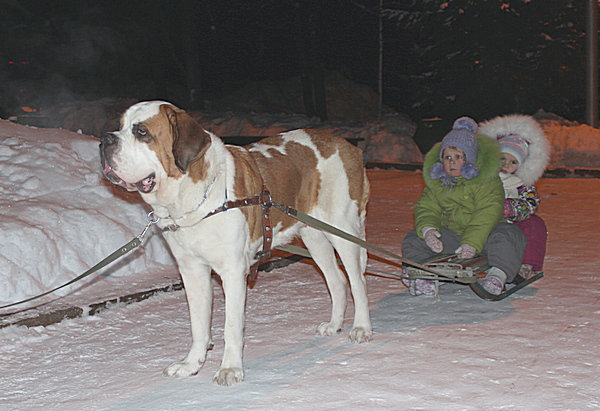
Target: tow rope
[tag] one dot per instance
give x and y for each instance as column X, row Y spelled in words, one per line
column 321, row 225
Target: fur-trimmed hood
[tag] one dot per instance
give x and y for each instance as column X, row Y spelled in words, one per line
column 528, row 128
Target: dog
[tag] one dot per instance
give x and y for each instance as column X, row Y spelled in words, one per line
column 188, row 176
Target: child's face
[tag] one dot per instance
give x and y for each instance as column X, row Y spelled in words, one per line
column 509, row 163
column 453, row 160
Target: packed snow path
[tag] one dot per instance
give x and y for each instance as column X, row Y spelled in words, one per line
column 534, row 350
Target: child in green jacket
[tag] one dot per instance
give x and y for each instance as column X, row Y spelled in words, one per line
column 460, row 210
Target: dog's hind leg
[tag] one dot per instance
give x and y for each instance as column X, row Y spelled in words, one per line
column 323, row 254
column 354, row 259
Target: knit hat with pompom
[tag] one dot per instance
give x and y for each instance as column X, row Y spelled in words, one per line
column 462, row 136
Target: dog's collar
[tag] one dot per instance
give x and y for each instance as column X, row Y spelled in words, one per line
column 263, row 199
column 176, row 220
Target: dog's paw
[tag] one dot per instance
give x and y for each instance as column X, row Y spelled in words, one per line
column 328, row 329
column 229, row 376
column 182, row 369
column 360, row 335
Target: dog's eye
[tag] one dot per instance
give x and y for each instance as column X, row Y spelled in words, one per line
column 139, row 131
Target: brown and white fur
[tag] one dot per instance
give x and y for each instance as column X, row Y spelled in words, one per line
column 185, row 172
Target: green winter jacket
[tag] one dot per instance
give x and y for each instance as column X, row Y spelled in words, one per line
column 472, row 208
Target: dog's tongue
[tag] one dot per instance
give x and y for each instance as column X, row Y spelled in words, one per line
column 107, row 168
column 147, row 184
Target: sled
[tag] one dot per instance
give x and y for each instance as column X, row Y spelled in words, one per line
column 450, row 268
column 439, row 268
column 445, row 267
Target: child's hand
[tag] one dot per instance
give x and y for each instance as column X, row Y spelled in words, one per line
column 465, row 251
column 432, row 239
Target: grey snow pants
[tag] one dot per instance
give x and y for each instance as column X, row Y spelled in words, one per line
column 504, row 247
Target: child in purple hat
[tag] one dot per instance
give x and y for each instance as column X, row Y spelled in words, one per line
column 460, row 210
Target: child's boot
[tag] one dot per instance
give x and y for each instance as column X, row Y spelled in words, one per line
column 494, row 281
column 525, row 271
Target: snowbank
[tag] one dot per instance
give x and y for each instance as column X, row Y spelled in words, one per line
column 58, row 215
column 575, row 145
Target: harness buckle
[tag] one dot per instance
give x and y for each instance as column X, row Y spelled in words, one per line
column 261, row 255
column 265, row 198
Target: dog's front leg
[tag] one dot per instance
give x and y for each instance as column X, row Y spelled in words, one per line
column 231, row 370
column 198, row 289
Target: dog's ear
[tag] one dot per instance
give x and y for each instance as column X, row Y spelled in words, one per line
column 190, row 141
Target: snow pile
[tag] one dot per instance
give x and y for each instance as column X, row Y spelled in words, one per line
column 58, row 215
column 573, row 145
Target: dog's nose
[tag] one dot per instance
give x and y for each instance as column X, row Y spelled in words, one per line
column 108, row 139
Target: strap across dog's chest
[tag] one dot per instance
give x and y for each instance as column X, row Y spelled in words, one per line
column 263, row 200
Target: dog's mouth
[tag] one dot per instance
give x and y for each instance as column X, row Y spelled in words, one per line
column 145, row 185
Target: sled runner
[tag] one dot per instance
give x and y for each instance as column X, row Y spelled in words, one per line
column 467, row 271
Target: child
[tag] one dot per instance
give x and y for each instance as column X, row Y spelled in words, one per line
column 460, row 210
column 525, row 155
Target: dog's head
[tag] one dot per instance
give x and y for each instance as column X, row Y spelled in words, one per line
column 156, row 140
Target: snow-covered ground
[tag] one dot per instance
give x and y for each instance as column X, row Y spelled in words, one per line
column 535, row 350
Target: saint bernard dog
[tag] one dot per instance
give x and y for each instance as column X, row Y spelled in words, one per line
column 187, row 175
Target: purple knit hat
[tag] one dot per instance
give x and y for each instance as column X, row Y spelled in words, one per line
column 462, row 136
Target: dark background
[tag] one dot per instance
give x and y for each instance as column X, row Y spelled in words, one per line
column 440, row 58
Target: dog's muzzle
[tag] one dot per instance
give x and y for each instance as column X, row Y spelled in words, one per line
column 108, row 144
